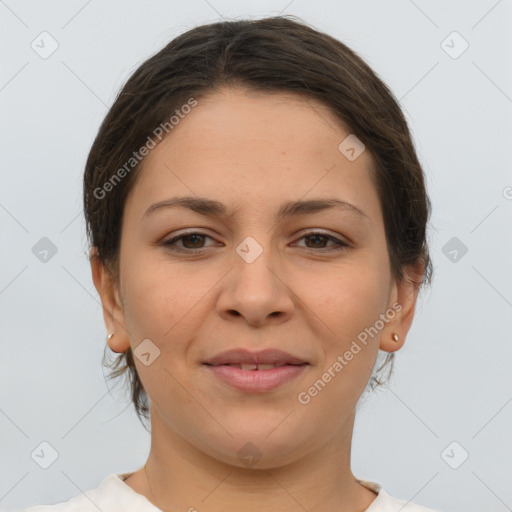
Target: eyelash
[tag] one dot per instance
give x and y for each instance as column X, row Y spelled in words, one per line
column 339, row 244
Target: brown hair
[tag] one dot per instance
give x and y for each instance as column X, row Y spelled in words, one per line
column 275, row 54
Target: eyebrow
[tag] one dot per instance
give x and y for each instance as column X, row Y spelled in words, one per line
column 214, row 208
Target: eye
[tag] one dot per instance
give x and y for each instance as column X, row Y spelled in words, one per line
column 318, row 237
column 193, row 242
column 190, row 242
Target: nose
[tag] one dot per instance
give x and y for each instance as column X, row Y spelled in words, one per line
column 256, row 291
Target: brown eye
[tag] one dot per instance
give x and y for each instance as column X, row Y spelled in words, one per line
column 318, row 241
column 192, row 241
column 189, row 242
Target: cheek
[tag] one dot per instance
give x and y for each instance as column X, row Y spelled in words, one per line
column 348, row 298
column 349, row 303
column 359, row 302
column 165, row 304
column 160, row 306
column 153, row 292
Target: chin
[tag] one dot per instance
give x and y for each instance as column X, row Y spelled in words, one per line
column 258, row 445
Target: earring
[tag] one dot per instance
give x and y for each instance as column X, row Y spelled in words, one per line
column 110, row 335
column 395, row 337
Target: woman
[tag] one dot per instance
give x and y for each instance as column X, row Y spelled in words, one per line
column 257, row 217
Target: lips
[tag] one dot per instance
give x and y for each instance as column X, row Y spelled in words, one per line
column 255, row 372
column 254, row 366
column 262, row 360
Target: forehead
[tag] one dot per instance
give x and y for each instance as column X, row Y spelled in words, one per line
column 261, row 124
column 241, row 145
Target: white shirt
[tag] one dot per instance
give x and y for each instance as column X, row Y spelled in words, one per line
column 113, row 495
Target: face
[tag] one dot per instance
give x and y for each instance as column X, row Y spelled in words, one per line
column 196, row 281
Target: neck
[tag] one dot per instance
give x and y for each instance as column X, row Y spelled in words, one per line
column 179, row 477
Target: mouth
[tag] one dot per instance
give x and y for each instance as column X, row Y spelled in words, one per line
column 255, row 378
column 262, row 360
column 255, row 372
column 257, row 366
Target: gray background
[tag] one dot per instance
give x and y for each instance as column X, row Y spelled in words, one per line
column 453, row 379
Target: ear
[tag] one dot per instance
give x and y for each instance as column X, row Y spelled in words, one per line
column 403, row 299
column 113, row 313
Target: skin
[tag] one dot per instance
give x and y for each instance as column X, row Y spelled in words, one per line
column 252, row 152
